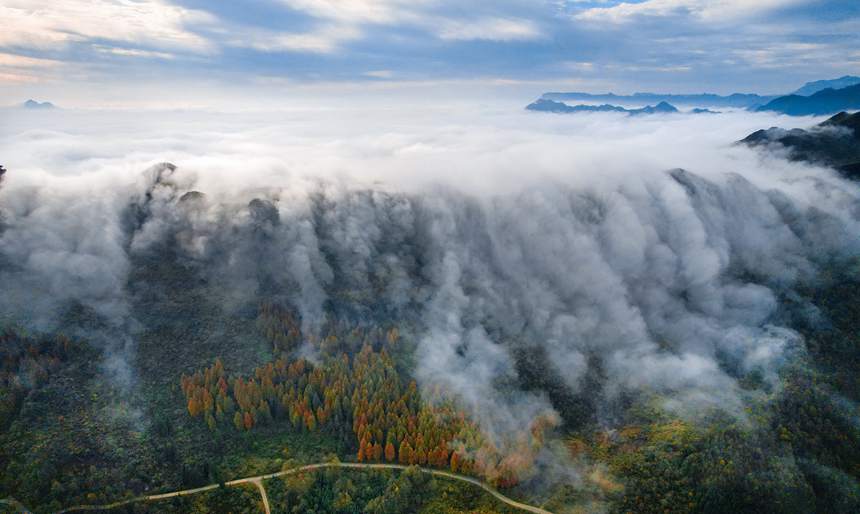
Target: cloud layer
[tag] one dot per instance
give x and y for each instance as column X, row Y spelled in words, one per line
column 503, row 240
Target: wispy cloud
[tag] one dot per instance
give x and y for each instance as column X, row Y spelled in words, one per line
column 340, row 21
column 21, row 61
column 789, row 55
column 358, row 11
column 48, row 24
column 716, row 45
column 323, row 40
column 20, row 69
column 711, row 10
column 133, row 52
column 343, row 21
column 489, row 29
column 379, row 74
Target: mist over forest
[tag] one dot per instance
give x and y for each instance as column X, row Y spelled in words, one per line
column 576, row 299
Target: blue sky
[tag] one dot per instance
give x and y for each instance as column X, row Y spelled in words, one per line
column 65, row 48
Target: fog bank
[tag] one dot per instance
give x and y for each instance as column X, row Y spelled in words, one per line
column 649, row 251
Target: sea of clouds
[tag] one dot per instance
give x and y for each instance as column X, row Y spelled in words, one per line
column 652, row 247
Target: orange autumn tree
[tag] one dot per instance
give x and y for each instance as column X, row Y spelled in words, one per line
column 358, row 397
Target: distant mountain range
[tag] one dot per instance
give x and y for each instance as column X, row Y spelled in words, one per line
column 826, row 101
column 544, row 105
column 706, row 99
column 810, row 88
column 32, row 104
column 814, row 98
column 835, row 142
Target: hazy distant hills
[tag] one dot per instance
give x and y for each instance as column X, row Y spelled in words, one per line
column 740, row 100
column 544, row 105
column 813, row 98
column 33, row 104
column 826, row 101
column 835, row 142
column 810, row 88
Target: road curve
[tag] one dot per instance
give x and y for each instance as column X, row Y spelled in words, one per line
column 12, row 502
column 259, row 484
column 258, row 481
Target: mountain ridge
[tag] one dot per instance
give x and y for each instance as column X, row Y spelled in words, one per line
column 834, row 142
column 544, row 105
column 742, row 100
column 826, row 101
column 810, row 88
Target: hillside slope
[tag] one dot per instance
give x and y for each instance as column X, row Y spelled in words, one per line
column 835, row 142
column 827, row 101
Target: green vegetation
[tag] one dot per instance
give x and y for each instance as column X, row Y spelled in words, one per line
column 795, row 449
column 378, row 492
column 225, row 394
column 361, row 400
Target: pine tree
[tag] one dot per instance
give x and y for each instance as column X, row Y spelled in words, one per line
column 360, row 455
column 193, row 406
column 405, row 453
column 310, row 421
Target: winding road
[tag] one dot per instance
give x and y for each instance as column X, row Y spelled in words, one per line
column 11, row 502
column 258, row 482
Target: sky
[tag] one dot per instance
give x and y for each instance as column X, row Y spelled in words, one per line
column 184, row 52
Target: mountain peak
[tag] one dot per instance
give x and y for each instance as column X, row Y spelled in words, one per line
column 810, row 88
column 545, row 105
column 820, row 144
column 33, row 104
column 826, row 101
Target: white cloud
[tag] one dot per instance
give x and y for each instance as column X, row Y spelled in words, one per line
column 644, row 66
column 578, row 66
column 637, row 68
column 345, row 20
column 19, row 69
column 490, row 29
column 133, row 52
column 50, row 25
column 324, row 40
column 157, row 29
column 379, row 74
column 341, row 21
column 789, row 55
column 20, row 61
column 357, row 11
column 566, row 225
column 707, row 10
column 17, row 78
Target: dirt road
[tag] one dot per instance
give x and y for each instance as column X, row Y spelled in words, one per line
column 258, row 482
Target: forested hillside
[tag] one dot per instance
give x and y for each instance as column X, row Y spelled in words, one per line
column 248, row 338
